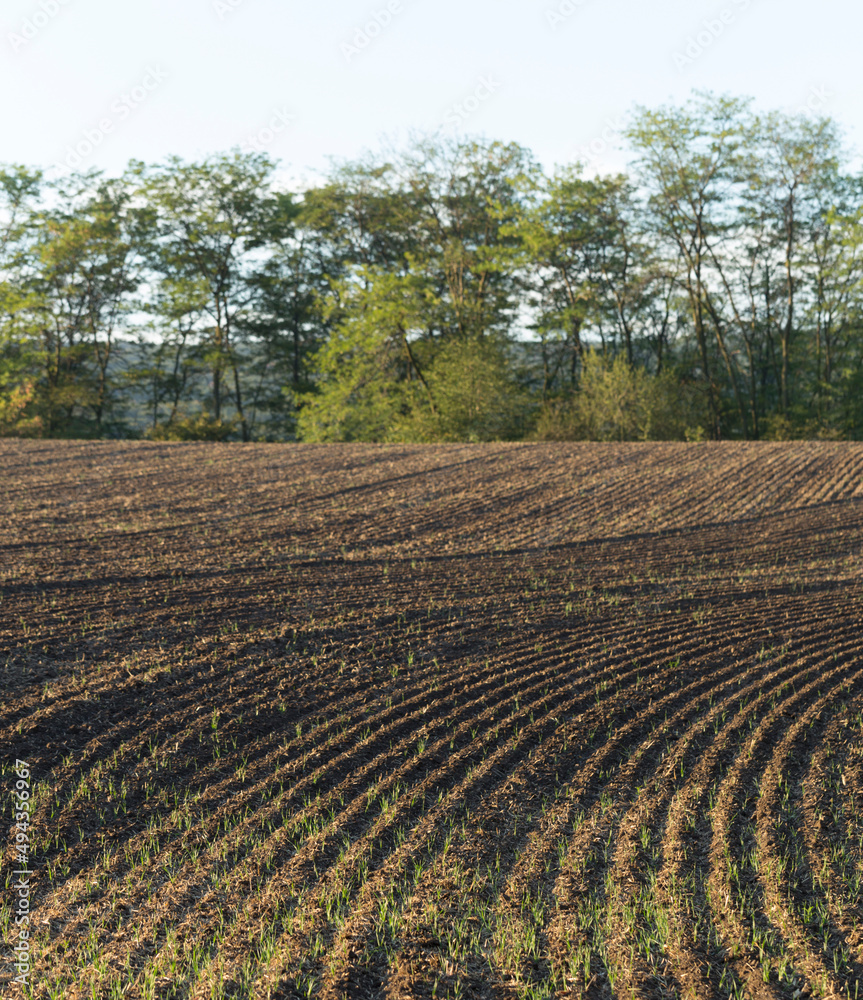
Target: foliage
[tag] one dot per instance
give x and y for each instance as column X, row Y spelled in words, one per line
column 475, row 393
column 617, row 402
column 202, row 232
column 14, row 403
column 450, row 290
column 203, row 427
column 414, row 351
column 369, row 367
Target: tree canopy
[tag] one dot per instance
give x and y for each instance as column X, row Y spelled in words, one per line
column 451, row 290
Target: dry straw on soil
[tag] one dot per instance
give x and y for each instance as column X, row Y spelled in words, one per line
column 466, row 721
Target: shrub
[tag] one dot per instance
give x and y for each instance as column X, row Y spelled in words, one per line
column 13, row 405
column 476, row 396
column 200, row 428
column 617, row 402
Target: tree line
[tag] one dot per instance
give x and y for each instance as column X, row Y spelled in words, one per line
column 450, row 290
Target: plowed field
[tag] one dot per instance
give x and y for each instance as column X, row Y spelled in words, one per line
column 465, row 721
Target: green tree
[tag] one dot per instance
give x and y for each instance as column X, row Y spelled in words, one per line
column 68, row 298
column 428, row 257
column 477, row 396
column 203, row 234
column 20, row 192
column 371, row 369
column 689, row 162
column 620, row 402
column 592, row 274
column 290, row 321
column 446, row 291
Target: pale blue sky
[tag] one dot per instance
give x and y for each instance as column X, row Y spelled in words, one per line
column 193, row 77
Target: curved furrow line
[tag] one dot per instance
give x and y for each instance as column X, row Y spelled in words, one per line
column 832, row 866
column 822, row 489
column 339, row 820
column 648, row 832
column 564, row 775
column 207, row 834
column 463, row 763
column 443, row 777
column 229, row 796
column 369, row 484
column 792, row 471
column 509, row 793
column 840, row 475
column 733, row 881
column 523, row 523
column 374, row 908
column 629, row 882
column 528, row 732
column 534, row 858
column 608, row 799
column 780, row 470
column 683, row 505
column 780, row 866
column 72, row 780
column 835, row 471
column 685, row 845
column 461, row 504
column 846, row 870
column 813, row 465
column 293, row 747
column 175, row 723
column 676, row 894
column 705, row 503
column 123, row 734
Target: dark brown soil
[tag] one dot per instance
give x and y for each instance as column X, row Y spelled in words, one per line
column 467, row 721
